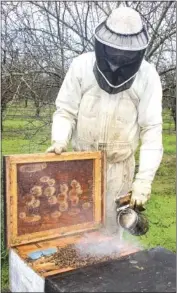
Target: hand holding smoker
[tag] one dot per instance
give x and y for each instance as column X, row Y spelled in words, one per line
column 130, row 217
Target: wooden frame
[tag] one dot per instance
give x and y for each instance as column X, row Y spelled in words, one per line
column 11, row 164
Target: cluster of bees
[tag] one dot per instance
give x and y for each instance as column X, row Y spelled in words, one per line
column 57, row 203
column 70, row 256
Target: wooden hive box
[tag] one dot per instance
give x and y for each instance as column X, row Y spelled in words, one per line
column 52, row 203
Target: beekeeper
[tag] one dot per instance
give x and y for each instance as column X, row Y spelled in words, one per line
column 110, row 100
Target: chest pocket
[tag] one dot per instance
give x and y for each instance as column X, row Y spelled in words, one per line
column 127, row 108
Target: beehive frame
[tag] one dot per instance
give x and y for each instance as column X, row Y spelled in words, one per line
column 12, row 164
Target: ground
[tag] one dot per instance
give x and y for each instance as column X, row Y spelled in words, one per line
column 23, row 133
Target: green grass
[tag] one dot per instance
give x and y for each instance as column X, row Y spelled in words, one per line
column 26, row 135
column 161, row 209
column 169, row 142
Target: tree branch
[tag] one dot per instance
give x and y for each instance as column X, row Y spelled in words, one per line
column 160, row 43
column 158, row 25
column 167, row 70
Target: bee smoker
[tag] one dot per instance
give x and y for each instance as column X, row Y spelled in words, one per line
column 131, row 220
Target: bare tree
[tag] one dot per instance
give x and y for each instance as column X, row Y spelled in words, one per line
column 40, row 39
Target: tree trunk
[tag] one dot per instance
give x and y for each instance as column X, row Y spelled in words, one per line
column 37, row 104
column 173, row 112
column 26, row 103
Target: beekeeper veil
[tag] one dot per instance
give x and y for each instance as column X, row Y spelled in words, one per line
column 120, row 44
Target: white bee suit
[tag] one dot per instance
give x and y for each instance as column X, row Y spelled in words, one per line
column 96, row 120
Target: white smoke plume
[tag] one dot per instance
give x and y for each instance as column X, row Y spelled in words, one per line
column 105, row 246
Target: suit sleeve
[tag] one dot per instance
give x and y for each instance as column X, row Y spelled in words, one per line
column 67, row 106
column 150, row 121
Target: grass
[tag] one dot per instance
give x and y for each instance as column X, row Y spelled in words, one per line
column 161, row 209
column 32, row 135
column 27, row 133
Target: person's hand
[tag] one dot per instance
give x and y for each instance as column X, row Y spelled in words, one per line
column 56, row 148
column 141, row 191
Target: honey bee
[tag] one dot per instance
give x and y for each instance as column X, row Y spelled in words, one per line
column 74, row 183
column 76, row 187
column 86, row 205
column 22, row 215
column 72, row 194
column 63, row 188
column 36, row 190
column 61, row 197
column 49, row 191
column 63, row 207
column 74, row 201
column 44, row 179
column 32, row 218
column 51, row 182
column 52, row 200
column 32, row 202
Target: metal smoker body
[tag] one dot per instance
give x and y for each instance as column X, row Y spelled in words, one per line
column 131, row 220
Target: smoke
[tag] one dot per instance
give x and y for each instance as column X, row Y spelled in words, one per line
column 104, row 246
